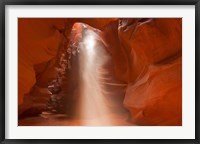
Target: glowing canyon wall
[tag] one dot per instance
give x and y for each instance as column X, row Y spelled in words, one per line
column 146, row 60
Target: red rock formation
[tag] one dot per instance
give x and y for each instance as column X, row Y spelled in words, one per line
column 156, row 96
column 146, row 56
column 144, row 52
column 38, row 42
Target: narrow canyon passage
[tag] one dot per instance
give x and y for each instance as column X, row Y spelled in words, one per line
column 99, row 71
column 95, row 98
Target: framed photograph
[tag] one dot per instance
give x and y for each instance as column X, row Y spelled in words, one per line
column 99, row 71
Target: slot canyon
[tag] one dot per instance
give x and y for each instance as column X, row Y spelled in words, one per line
column 99, row 71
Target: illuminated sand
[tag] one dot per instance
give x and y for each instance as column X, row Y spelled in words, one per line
column 63, row 120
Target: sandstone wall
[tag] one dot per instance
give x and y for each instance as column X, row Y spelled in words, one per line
column 146, row 56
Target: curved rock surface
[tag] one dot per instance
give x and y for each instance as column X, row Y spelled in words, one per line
column 144, row 53
column 38, row 42
column 156, row 96
column 146, row 58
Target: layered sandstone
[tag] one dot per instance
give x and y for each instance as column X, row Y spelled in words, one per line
column 145, row 64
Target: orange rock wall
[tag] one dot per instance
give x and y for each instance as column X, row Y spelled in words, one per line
column 146, row 55
column 38, row 42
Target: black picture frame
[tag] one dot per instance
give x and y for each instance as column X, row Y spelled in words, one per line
column 3, row 3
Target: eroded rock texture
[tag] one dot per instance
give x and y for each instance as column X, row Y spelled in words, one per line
column 145, row 61
column 145, row 54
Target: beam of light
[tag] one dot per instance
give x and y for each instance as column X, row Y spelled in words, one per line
column 89, row 42
column 92, row 106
